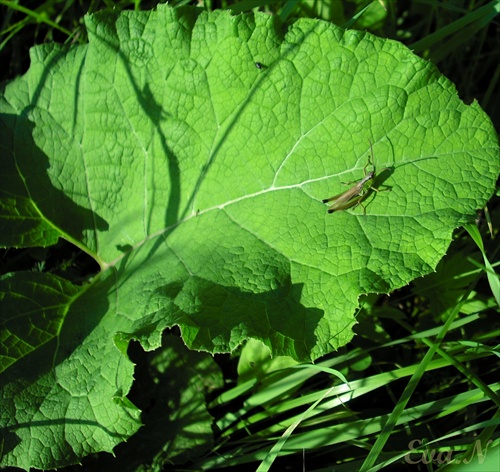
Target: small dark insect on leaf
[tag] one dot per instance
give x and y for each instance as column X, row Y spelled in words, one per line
column 259, row 65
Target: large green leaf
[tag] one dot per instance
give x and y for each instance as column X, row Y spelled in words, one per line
column 195, row 179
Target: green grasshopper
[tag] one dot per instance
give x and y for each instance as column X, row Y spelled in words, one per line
column 356, row 194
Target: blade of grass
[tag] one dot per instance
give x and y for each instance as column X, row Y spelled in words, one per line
column 358, row 15
column 493, row 278
column 341, row 393
column 37, row 17
column 485, row 13
column 265, row 465
column 408, row 392
column 356, row 431
column 470, row 376
column 266, row 395
column 483, row 438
